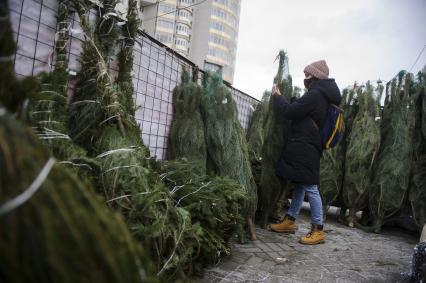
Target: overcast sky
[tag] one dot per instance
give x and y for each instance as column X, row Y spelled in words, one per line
column 360, row 39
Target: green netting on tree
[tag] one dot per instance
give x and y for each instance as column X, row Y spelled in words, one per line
column 255, row 134
column 48, row 111
column 255, row 137
column 331, row 176
column 393, row 168
column 49, row 117
column 331, row 168
column 423, row 105
column 186, row 138
column 97, row 99
column 417, row 190
column 214, row 203
column 361, row 151
column 275, row 136
column 225, row 139
column 63, row 232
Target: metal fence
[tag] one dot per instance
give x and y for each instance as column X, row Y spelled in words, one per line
column 156, row 69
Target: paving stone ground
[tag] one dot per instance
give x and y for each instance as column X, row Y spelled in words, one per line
column 349, row 255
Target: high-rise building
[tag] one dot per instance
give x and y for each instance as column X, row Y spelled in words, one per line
column 205, row 31
column 170, row 21
column 215, row 35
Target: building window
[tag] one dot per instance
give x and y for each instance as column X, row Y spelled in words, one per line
column 218, row 54
column 181, row 42
column 185, row 14
column 164, row 8
column 164, row 37
column 181, row 28
column 219, row 13
column 217, row 26
column 217, row 40
column 165, row 23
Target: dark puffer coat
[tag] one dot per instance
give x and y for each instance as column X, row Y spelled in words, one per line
column 300, row 159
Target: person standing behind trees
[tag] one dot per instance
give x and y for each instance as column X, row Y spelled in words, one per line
column 300, row 159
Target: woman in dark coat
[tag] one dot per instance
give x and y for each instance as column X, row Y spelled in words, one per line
column 300, row 160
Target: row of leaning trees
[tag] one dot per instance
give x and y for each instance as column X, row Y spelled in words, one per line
column 378, row 167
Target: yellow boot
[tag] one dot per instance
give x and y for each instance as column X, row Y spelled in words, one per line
column 286, row 226
column 316, row 236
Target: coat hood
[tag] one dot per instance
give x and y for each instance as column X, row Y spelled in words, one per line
column 329, row 89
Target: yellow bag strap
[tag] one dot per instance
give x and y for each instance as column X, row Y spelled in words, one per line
column 339, row 121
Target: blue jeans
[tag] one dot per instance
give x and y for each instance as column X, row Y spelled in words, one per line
column 314, row 201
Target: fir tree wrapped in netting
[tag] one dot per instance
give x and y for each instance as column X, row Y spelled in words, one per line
column 187, row 131
column 333, row 160
column 225, row 140
column 275, row 136
column 48, row 109
column 331, row 170
column 97, row 97
column 255, row 137
column 214, row 203
column 417, row 190
column 61, row 232
column 362, row 149
column 417, row 193
column 393, row 168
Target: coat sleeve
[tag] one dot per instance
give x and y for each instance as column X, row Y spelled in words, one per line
column 298, row 109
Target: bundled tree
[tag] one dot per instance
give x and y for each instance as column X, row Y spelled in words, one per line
column 214, row 204
column 255, row 134
column 48, row 109
column 392, row 172
column 255, row 137
column 275, row 134
column 417, row 190
column 362, row 148
column 54, row 228
column 333, row 160
column 187, row 131
column 226, row 144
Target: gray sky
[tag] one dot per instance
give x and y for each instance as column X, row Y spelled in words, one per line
column 360, row 39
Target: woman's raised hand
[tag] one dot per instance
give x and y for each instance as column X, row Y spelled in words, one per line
column 275, row 90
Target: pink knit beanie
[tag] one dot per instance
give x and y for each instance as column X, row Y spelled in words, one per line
column 318, row 69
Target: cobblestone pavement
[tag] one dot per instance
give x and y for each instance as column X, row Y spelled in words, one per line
column 349, row 255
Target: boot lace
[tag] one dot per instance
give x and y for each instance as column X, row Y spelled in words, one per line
column 310, row 234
